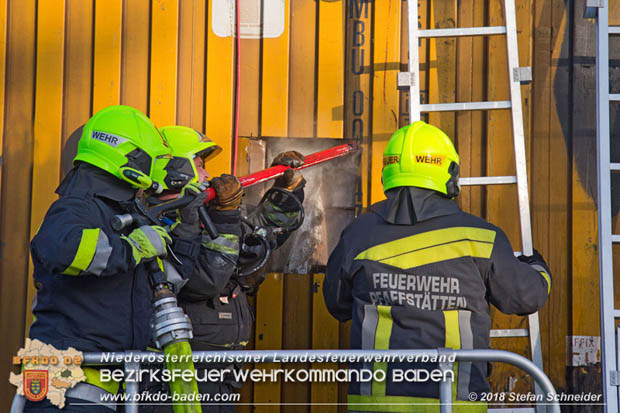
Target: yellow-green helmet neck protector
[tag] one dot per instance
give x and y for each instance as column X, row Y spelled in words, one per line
column 421, row 155
column 185, row 144
column 122, row 141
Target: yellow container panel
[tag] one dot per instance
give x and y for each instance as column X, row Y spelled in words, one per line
column 385, row 102
column 269, row 309
column 135, row 58
column 330, row 88
column 219, row 95
column 274, row 103
column 107, row 61
column 47, row 116
column 302, row 80
column 164, row 52
column 191, row 67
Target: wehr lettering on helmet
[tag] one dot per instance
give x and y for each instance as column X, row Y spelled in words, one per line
column 390, row 159
column 110, row 139
column 432, row 159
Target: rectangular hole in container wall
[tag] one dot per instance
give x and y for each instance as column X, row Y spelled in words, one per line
column 223, row 19
column 329, row 205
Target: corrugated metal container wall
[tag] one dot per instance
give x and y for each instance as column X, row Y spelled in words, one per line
column 323, row 69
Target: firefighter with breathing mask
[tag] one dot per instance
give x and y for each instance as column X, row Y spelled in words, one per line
column 215, row 296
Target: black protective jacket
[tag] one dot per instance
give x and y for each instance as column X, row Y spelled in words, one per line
column 214, row 298
column 90, row 293
column 418, row 273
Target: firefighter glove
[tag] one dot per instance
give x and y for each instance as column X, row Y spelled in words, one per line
column 533, row 259
column 228, row 192
column 538, row 263
column 147, row 242
column 291, row 158
column 188, row 222
column 291, row 180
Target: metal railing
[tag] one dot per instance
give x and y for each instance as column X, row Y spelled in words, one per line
column 135, row 359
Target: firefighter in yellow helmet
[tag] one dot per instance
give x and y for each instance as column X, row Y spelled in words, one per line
column 215, row 296
column 426, row 276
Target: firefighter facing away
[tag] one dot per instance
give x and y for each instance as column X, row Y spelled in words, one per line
column 426, row 276
column 215, row 296
column 93, row 291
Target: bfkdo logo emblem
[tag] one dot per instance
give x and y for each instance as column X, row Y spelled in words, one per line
column 35, row 384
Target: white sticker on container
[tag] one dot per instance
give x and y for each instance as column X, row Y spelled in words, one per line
column 223, row 18
column 583, row 350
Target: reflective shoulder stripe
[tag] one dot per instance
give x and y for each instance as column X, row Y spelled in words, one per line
column 226, row 243
column 382, row 342
column 103, row 252
column 85, row 252
column 92, row 377
column 405, row 404
column 545, row 275
column 433, row 246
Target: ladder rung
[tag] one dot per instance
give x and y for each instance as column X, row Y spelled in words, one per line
column 614, row 97
column 615, row 238
column 514, row 332
column 617, row 313
column 452, row 107
column 488, row 180
column 463, row 31
column 614, row 166
column 614, row 29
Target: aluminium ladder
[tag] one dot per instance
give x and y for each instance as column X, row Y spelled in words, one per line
column 609, row 314
column 516, row 76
